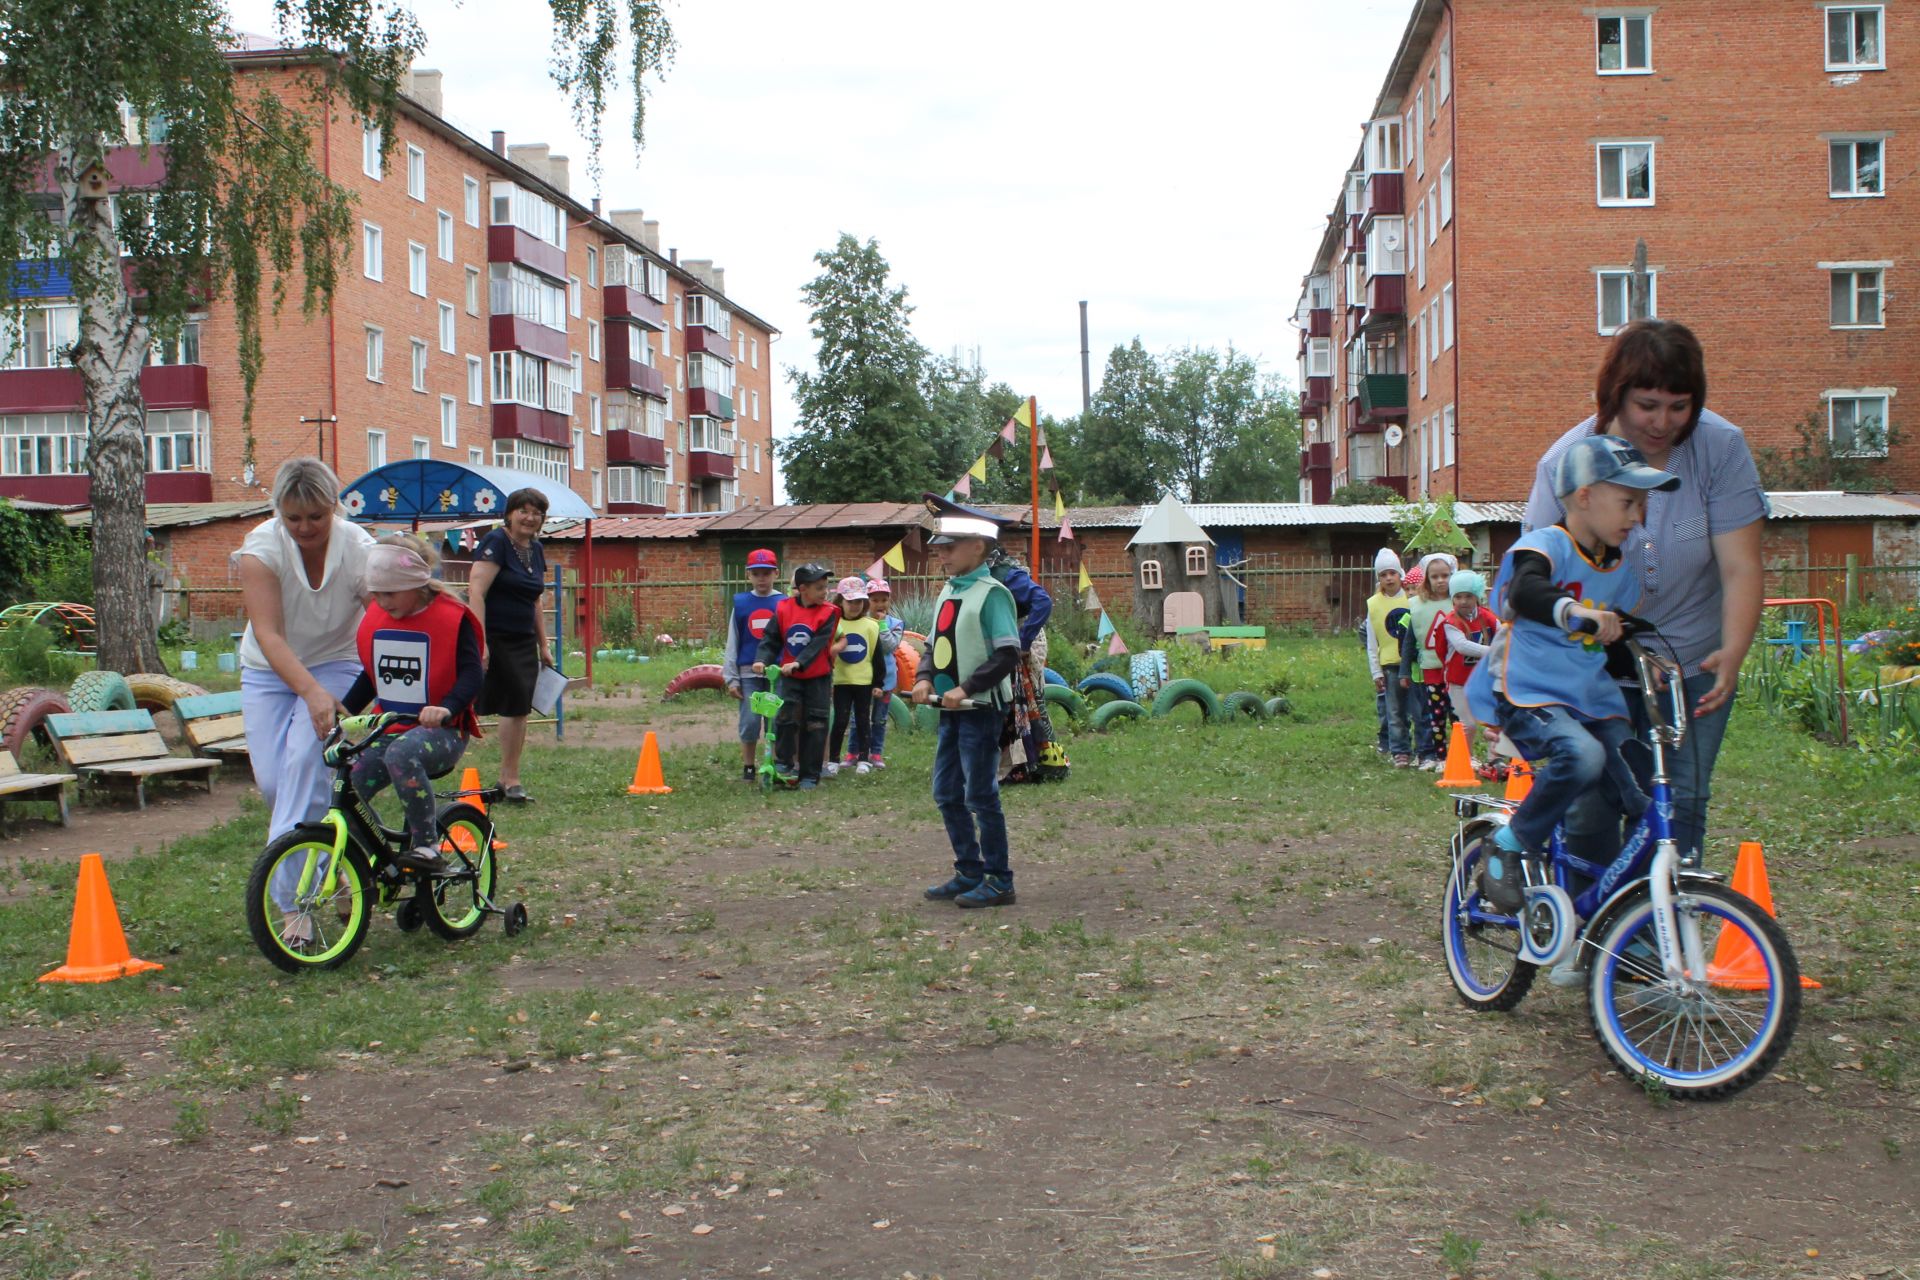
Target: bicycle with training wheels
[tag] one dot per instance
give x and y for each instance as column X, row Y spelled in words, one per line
column 1691, row 987
column 313, row 892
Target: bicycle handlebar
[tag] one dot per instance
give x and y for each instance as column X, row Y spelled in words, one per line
column 367, row 728
column 1658, row 672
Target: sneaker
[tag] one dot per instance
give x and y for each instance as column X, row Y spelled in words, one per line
column 877, row 763
column 1430, row 765
column 1502, row 882
column 863, row 768
column 848, row 758
column 808, row 784
column 830, row 770
column 1568, row 972
column 1401, row 760
column 425, row 858
column 786, row 774
column 951, row 889
column 748, row 773
column 990, row 892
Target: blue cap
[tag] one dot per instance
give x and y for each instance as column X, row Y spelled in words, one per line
column 1607, row 460
column 1468, row 583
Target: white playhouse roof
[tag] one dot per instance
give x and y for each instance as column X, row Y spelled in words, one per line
column 1169, row 524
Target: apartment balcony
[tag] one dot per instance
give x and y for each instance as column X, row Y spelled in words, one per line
column 1316, row 469
column 162, row 386
column 1386, row 197
column 1356, row 234
column 517, row 333
column 506, row 243
column 1318, row 395
column 635, row 509
column 624, row 302
column 127, row 167
column 1383, row 398
column 633, row 448
column 524, row 422
column 625, row 372
column 701, row 400
column 702, row 465
column 1386, row 298
column 74, row 491
column 1320, row 322
column 705, row 340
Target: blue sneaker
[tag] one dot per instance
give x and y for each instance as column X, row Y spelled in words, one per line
column 1501, row 881
column 809, row 784
column 990, row 892
column 951, row 889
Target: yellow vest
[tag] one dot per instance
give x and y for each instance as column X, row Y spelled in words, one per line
column 1388, row 644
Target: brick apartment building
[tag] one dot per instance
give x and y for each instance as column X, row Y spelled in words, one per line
column 1479, row 254
column 483, row 315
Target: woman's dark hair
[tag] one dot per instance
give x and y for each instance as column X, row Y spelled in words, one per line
column 527, row 498
column 1657, row 355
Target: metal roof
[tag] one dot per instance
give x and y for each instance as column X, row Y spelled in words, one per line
column 1169, row 524
column 606, row 528
column 178, row 515
column 1834, row 505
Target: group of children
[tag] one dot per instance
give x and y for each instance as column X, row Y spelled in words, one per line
column 1421, row 649
column 837, row 657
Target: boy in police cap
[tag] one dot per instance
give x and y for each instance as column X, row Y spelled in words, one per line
column 971, row 655
column 752, row 611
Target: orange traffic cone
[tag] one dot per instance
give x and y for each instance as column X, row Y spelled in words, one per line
column 1459, row 771
column 97, row 946
column 1519, row 779
column 1735, row 962
column 647, row 778
column 470, row 782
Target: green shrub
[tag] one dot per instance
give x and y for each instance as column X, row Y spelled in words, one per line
column 619, row 625
column 29, row 655
column 1064, row 657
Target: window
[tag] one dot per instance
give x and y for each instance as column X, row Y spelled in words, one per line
column 43, row 337
column 756, row 406
column 473, row 291
column 756, row 458
column 1622, row 42
column 640, row 345
column 579, row 449
column 1419, row 134
column 1432, row 202
column 518, row 207
column 1383, row 146
column 1422, row 345
column 1853, row 38
column 1854, row 167
column 376, row 353
column 1386, row 247
column 1196, row 561
column 655, row 423
column 709, row 435
column 1446, row 318
column 1433, row 95
column 178, row 440
column 449, row 421
column 513, row 290
column 477, row 457
column 421, row 448
column 370, row 142
column 679, row 312
column 476, row 380
column 599, row 491
column 43, row 444
column 470, row 192
column 182, row 348
column 593, row 265
column 376, row 449
column 1616, row 297
column 1857, row 423
column 1445, row 65
column 666, row 347
column 1447, row 434
column 417, row 268
column 1419, row 245
column 593, row 339
column 1626, row 172
column 1446, row 193
column 708, row 314
column 644, row 485
column 446, row 328
column 416, row 172
column 579, row 383
column 419, row 364
column 573, row 296
column 1150, row 575
column 445, row 222
column 753, row 351
column 1856, row 300
column 710, row 373
column 371, row 252
column 593, row 414
column 1319, row 357
column 548, row 460
column 519, row 378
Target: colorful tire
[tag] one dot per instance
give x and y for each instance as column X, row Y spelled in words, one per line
column 1112, row 662
column 1149, row 672
column 1107, row 682
column 156, row 691
column 906, row 665
column 1198, row 692
column 1108, row 712
column 1053, row 677
column 1061, row 696
column 23, row 711
column 899, row 715
column 1279, row 706
column 1235, row 705
column 706, row 676
column 926, row 718
column 101, row 691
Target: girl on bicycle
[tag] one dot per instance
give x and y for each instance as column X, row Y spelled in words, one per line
column 420, row 654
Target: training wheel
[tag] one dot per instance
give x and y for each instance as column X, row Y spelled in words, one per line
column 516, row 918
column 407, row 915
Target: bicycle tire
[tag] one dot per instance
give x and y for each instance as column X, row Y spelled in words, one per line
column 1235, row 705
column 456, row 905
column 1106, row 682
column 100, row 691
column 1119, row 709
column 1499, row 984
column 1198, row 692
column 341, row 882
column 1631, row 1006
column 1066, row 699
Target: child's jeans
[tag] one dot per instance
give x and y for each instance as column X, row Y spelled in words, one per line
column 800, row 730
column 1406, row 716
column 966, row 787
column 409, row 762
column 1570, row 757
column 881, row 706
column 852, row 708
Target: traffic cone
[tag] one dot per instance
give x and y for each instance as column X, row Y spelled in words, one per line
column 470, row 782
column 1459, row 771
column 647, row 778
column 96, row 946
column 1735, row 962
column 1519, row 779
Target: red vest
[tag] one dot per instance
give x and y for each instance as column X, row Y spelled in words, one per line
column 1458, row 666
column 796, row 625
column 412, row 660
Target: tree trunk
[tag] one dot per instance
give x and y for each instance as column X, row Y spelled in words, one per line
column 112, row 349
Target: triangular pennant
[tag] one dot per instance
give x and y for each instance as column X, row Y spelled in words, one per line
column 1041, row 433
column 1086, row 579
column 1059, row 507
column 877, row 569
column 964, row 485
column 1106, row 626
column 1024, row 414
column 1066, row 530
column 1046, row 459
column 897, row 558
column 952, row 494
column 1116, row 645
column 997, row 448
column 1093, row 601
column 979, row 468
column 1011, row 430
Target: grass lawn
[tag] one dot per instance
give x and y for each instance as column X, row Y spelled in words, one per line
column 1214, row 1038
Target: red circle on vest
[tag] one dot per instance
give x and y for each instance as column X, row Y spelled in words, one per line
column 947, row 611
column 757, row 621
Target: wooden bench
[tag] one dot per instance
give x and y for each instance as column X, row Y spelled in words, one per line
column 18, row 785
column 121, row 746
column 212, row 724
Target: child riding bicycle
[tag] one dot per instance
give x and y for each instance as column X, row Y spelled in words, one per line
column 1545, row 679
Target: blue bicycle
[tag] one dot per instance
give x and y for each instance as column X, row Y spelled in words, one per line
column 1691, row 987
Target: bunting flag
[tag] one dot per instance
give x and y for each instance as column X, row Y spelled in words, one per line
column 876, row 570
column 1106, row 626
column 1086, row 579
column 897, row 557
column 1059, row 507
column 1066, row 530
column 1092, row 601
column 979, row 468
column 1009, row 432
column 1046, row 458
column 997, row 448
column 1116, row 646
column 963, row 487
column 1023, row 415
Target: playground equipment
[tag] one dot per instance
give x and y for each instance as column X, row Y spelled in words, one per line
column 1797, row 636
column 707, row 675
column 74, row 623
column 23, row 715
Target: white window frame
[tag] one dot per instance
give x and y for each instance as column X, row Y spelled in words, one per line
column 1150, row 579
column 573, row 296
column 593, row 340
column 753, row 352
column 476, row 380
column 593, row 414
column 443, row 224
column 1624, row 201
column 599, row 492
column 416, row 268
column 470, row 199
column 473, row 291
column 579, row 449
column 1432, row 201
column 1446, row 318
column 593, row 266
column 1447, row 434
column 476, row 456
column 1853, row 142
column 376, row 448
column 1445, row 63
column 376, row 354
column 1419, row 244
column 416, row 173
column 371, row 162
column 1426, row 340
column 1827, row 15
column 422, row 448
column 1856, row 395
column 1445, row 187
column 1602, row 276
column 373, row 251
column 1420, row 133
column 1319, row 357
column 449, row 422
column 1624, row 16
column 756, row 455
column 1854, row 270
column 448, row 332
column 756, row 406
column 417, row 358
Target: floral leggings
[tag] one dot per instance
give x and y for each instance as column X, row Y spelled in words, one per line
column 409, row 762
column 1440, row 712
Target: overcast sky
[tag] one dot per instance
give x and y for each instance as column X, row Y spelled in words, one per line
column 1170, row 164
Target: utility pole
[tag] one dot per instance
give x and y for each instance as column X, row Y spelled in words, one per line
column 319, row 425
column 1086, row 375
column 1641, row 282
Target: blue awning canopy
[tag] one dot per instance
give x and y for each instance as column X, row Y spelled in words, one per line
column 435, row 489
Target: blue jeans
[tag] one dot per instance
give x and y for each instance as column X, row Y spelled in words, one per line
column 881, row 708
column 1594, row 831
column 749, row 718
column 1407, row 720
column 1380, row 714
column 1571, row 758
column 966, row 787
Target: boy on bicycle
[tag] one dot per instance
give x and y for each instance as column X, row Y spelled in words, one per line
column 1545, row 678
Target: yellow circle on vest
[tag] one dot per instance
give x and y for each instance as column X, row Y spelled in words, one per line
column 943, row 652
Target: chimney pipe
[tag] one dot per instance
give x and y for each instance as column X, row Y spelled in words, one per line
column 596, row 206
column 500, row 142
column 650, row 234
column 424, row 88
column 558, row 173
column 630, row 221
column 720, row 280
column 673, row 256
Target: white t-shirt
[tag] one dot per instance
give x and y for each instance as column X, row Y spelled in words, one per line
column 320, row 623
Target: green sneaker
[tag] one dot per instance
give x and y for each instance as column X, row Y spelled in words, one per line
column 990, row 892
column 951, row 889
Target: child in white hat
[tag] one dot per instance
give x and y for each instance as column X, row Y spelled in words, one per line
column 1385, row 622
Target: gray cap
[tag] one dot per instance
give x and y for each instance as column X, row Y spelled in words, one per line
column 1607, row 460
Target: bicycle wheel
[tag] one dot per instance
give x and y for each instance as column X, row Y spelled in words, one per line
column 1700, row 1038
column 1483, row 956
column 456, row 903
column 306, row 907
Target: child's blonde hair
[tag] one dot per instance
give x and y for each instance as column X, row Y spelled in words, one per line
column 425, row 550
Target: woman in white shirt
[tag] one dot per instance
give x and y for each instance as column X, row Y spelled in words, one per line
column 303, row 578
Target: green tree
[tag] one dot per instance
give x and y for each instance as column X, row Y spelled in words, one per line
column 1120, row 456
column 1815, row 461
column 862, row 416
column 242, row 206
column 1225, row 433
column 1261, row 460
column 965, row 415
